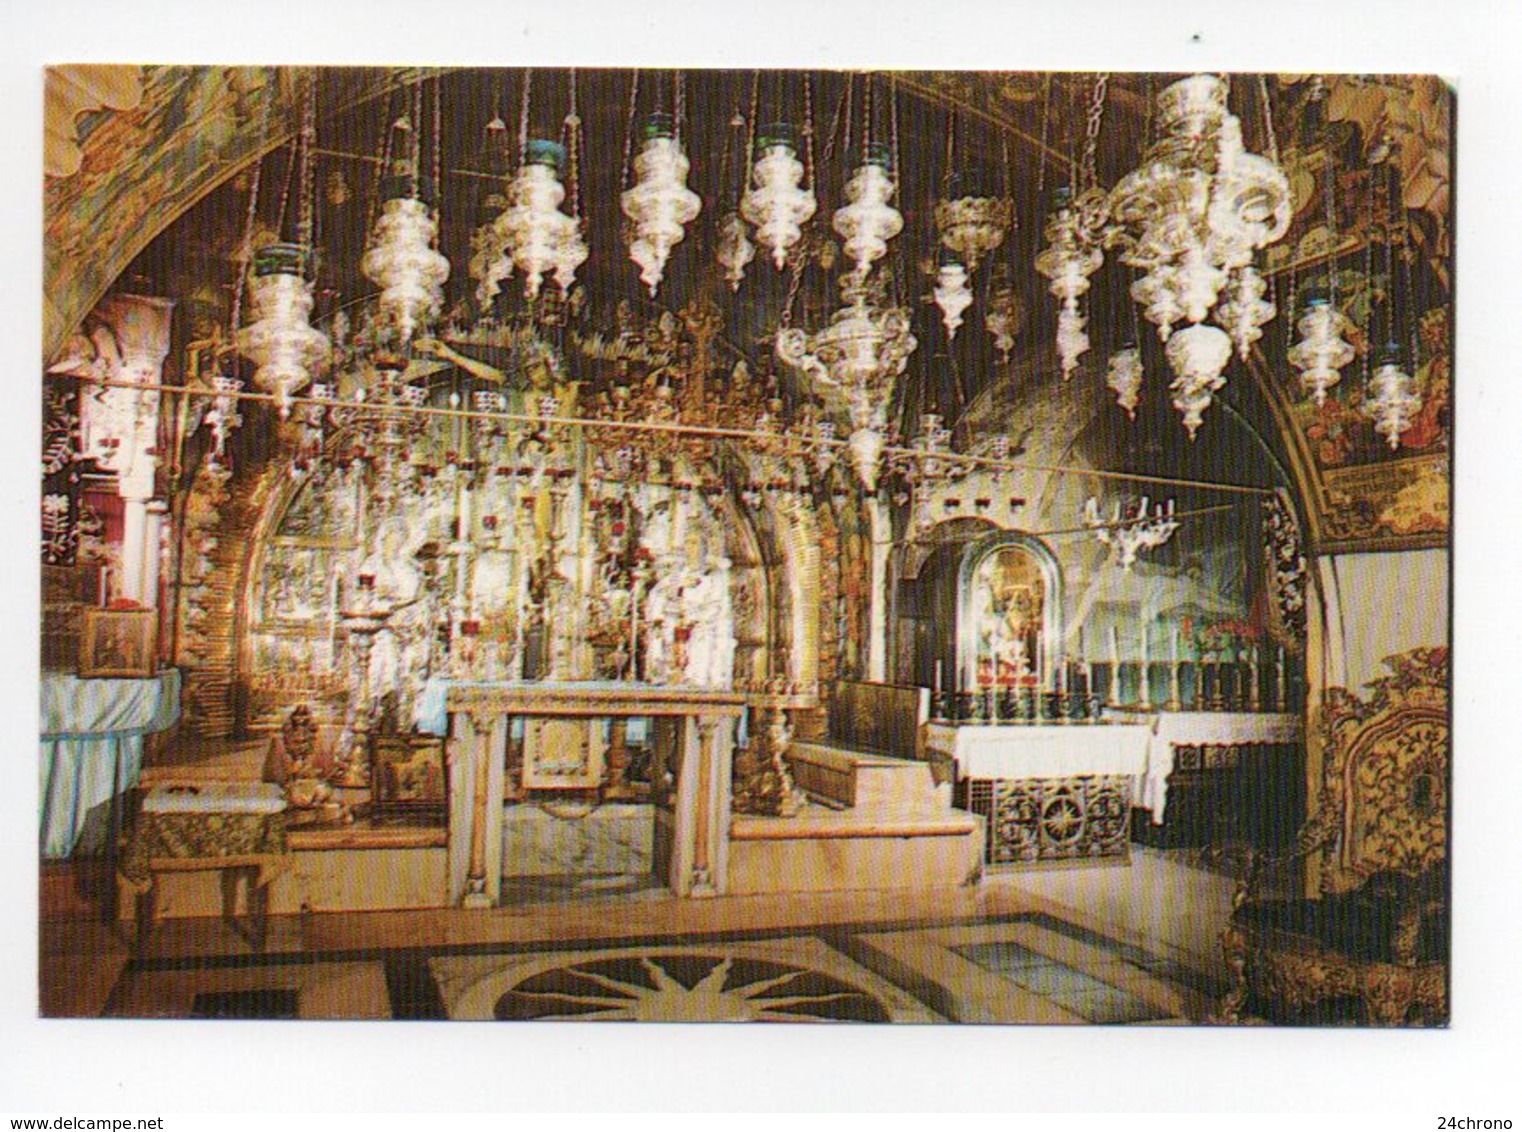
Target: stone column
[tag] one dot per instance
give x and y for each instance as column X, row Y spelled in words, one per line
column 153, row 538
column 476, row 782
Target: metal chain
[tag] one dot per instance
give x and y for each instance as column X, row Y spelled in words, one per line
column 573, row 146
column 528, row 84
column 750, row 132
column 306, row 207
column 438, row 132
column 1268, row 119
column 629, row 130
column 245, row 253
column 415, row 155
column 808, row 133
column 1091, row 138
column 680, row 106
column 1046, row 120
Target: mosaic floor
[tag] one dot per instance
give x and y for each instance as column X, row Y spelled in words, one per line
column 1025, row 968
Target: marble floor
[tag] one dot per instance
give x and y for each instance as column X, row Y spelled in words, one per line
column 1108, row 945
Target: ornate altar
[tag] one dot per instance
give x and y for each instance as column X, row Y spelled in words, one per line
column 1377, row 935
column 693, row 740
column 1009, row 604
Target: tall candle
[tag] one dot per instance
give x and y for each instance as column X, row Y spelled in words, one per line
column 1114, row 664
column 938, row 677
column 1146, row 686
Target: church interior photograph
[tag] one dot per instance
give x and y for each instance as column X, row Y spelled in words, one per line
column 722, row 545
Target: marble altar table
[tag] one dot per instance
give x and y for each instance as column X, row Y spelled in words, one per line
column 694, row 738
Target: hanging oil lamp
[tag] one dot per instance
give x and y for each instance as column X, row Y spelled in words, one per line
column 868, row 221
column 776, row 204
column 1068, row 261
column 539, row 238
column 1321, row 353
column 281, row 340
column 734, row 251
column 952, row 294
column 660, row 204
column 1125, row 378
column 1390, row 398
column 404, row 263
column 972, row 224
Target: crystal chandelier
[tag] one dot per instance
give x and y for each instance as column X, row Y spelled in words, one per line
column 868, row 222
column 403, row 262
column 861, row 352
column 1068, row 261
column 1132, row 527
column 952, row 295
column 660, row 204
column 1125, row 378
column 281, row 340
column 1321, row 352
column 1391, row 400
column 776, row 204
column 1192, row 216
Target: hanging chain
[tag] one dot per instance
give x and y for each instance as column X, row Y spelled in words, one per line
column 898, row 163
column 246, row 251
column 1331, row 221
column 306, row 206
column 808, row 133
column 415, row 149
column 750, row 134
column 679, row 110
column 629, row 130
column 437, row 143
column 384, row 166
column 1091, row 136
column 1268, row 120
column 1046, row 119
column 573, row 151
column 285, row 186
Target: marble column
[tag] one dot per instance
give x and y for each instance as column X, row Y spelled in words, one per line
column 877, row 626
column 476, row 784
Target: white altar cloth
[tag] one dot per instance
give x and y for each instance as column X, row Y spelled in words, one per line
column 1171, row 730
column 1142, row 748
column 1056, row 751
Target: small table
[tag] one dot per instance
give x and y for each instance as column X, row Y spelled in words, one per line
column 237, row 829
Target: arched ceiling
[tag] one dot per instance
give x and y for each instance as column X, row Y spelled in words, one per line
column 149, row 159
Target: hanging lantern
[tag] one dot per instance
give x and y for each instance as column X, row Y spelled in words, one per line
column 1004, row 318
column 1391, row 400
column 1197, row 354
column 1068, row 262
column 281, row 340
column 1321, row 352
column 971, row 224
column 952, row 295
column 1244, row 311
column 868, row 222
column 775, row 204
column 1125, row 378
column 862, row 352
column 660, row 203
column 534, row 233
column 402, row 260
column 735, row 250
column 1191, row 216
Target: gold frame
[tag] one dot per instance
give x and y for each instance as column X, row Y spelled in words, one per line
column 130, row 634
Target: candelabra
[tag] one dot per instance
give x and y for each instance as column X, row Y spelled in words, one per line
column 1131, row 529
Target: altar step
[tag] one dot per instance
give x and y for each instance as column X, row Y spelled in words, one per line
column 878, row 823
column 865, row 781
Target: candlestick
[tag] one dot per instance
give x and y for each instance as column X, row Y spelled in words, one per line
column 1175, row 696
column 938, row 677
column 1114, row 666
column 1146, row 681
